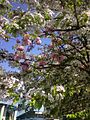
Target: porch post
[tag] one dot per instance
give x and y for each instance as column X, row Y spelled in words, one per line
column 10, row 117
column 15, row 115
column 2, row 112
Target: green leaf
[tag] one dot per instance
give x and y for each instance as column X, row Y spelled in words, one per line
column 46, row 16
column 54, row 92
column 79, row 2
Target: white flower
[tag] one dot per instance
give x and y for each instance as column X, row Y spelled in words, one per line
column 43, row 92
column 88, row 13
column 60, row 88
column 14, row 79
column 76, row 75
column 61, row 96
column 50, row 12
column 3, row 19
column 39, row 14
column 50, row 97
column 40, row 56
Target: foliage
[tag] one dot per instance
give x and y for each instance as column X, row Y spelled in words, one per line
column 59, row 76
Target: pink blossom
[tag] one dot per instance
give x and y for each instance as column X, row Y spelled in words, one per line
column 50, row 46
column 38, row 41
column 16, row 57
column 54, row 56
column 42, row 63
column 23, row 56
column 27, row 42
column 24, row 67
column 20, row 48
column 57, row 58
column 62, row 57
column 27, row 62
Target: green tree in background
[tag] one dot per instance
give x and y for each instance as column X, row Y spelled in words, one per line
column 59, row 77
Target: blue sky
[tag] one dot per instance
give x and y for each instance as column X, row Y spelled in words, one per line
column 17, row 4
column 7, row 46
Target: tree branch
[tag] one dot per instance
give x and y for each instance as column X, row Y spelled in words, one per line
column 73, row 28
column 75, row 12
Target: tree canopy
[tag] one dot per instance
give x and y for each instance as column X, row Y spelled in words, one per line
column 58, row 76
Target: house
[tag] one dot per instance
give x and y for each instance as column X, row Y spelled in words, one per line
column 31, row 115
column 7, row 111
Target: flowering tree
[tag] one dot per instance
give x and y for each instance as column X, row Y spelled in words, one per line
column 58, row 77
